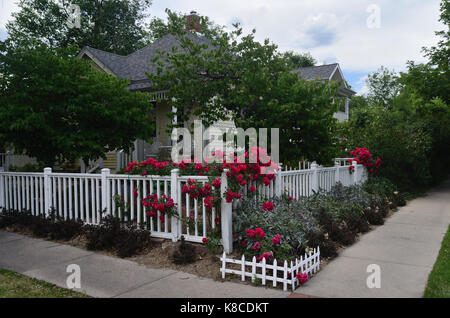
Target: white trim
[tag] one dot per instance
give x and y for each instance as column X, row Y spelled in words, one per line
column 340, row 72
column 86, row 52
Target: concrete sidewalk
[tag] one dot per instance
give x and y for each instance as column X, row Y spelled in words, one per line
column 405, row 247
column 104, row 276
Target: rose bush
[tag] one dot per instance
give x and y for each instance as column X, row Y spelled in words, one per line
column 364, row 156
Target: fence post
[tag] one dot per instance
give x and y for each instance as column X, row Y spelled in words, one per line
column 174, row 195
column 226, row 216
column 279, row 182
column 47, row 194
column 2, row 191
column 315, row 177
column 355, row 174
column 105, row 192
column 337, row 177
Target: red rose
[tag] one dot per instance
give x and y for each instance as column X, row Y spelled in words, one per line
column 205, row 240
column 268, row 206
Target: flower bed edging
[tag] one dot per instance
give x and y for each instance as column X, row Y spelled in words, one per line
column 299, row 271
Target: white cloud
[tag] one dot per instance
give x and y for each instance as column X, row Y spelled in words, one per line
column 364, row 90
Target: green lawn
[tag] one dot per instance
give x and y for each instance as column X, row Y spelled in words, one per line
column 14, row 285
column 439, row 280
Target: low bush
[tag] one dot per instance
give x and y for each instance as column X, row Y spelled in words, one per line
column 183, row 253
column 115, row 235
column 290, row 219
column 111, row 235
column 53, row 226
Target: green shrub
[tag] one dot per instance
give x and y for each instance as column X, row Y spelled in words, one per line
column 115, row 235
column 53, row 226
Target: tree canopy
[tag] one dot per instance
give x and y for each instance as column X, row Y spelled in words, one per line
column 111, row 25
column 56, row 107
column 232, row 74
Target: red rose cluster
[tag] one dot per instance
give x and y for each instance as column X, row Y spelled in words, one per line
column 268, row 206
column 364, row 156
column 164, row 205
column 151, row 165
column 261, row 246
column 197, row 190
column 302, row 278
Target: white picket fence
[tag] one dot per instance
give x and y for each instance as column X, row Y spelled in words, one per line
column 87, row 196
column 309, row 264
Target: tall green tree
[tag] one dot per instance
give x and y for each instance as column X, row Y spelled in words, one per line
column 220, row 74
column 297, row 60
column 111, row 25
column 383, row 87
column 56, row 107
column 432, row 80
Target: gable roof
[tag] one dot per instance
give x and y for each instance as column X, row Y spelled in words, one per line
column 135, row 65
column 322, row 72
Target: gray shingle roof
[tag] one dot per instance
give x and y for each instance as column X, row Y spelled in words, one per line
column 135, row 65
column 322, row 72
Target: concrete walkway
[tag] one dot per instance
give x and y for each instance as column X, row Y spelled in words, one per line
column 405, row 248
column 104, row 276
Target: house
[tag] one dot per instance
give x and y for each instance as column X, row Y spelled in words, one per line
column 134, row 68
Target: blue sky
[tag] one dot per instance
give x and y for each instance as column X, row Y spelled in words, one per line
column 332, row 31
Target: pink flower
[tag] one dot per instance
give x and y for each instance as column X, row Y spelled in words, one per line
column 260, row 233
column 257, row 246
column 268, row 206
column 302, row 278
column 170, row 203
column 250, row 233
column 267, row 256
column 252, row 189
column 217, row 183
column 276, row 240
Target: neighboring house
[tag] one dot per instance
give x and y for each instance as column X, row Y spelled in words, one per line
column 330, row 72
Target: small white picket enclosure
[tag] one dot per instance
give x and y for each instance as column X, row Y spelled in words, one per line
column 309, row 264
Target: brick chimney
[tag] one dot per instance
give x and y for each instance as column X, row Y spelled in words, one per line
column 193, row 22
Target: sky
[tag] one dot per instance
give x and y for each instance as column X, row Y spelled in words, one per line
column 360, row 35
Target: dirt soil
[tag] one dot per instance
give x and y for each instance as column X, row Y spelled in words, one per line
column 157, row 256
